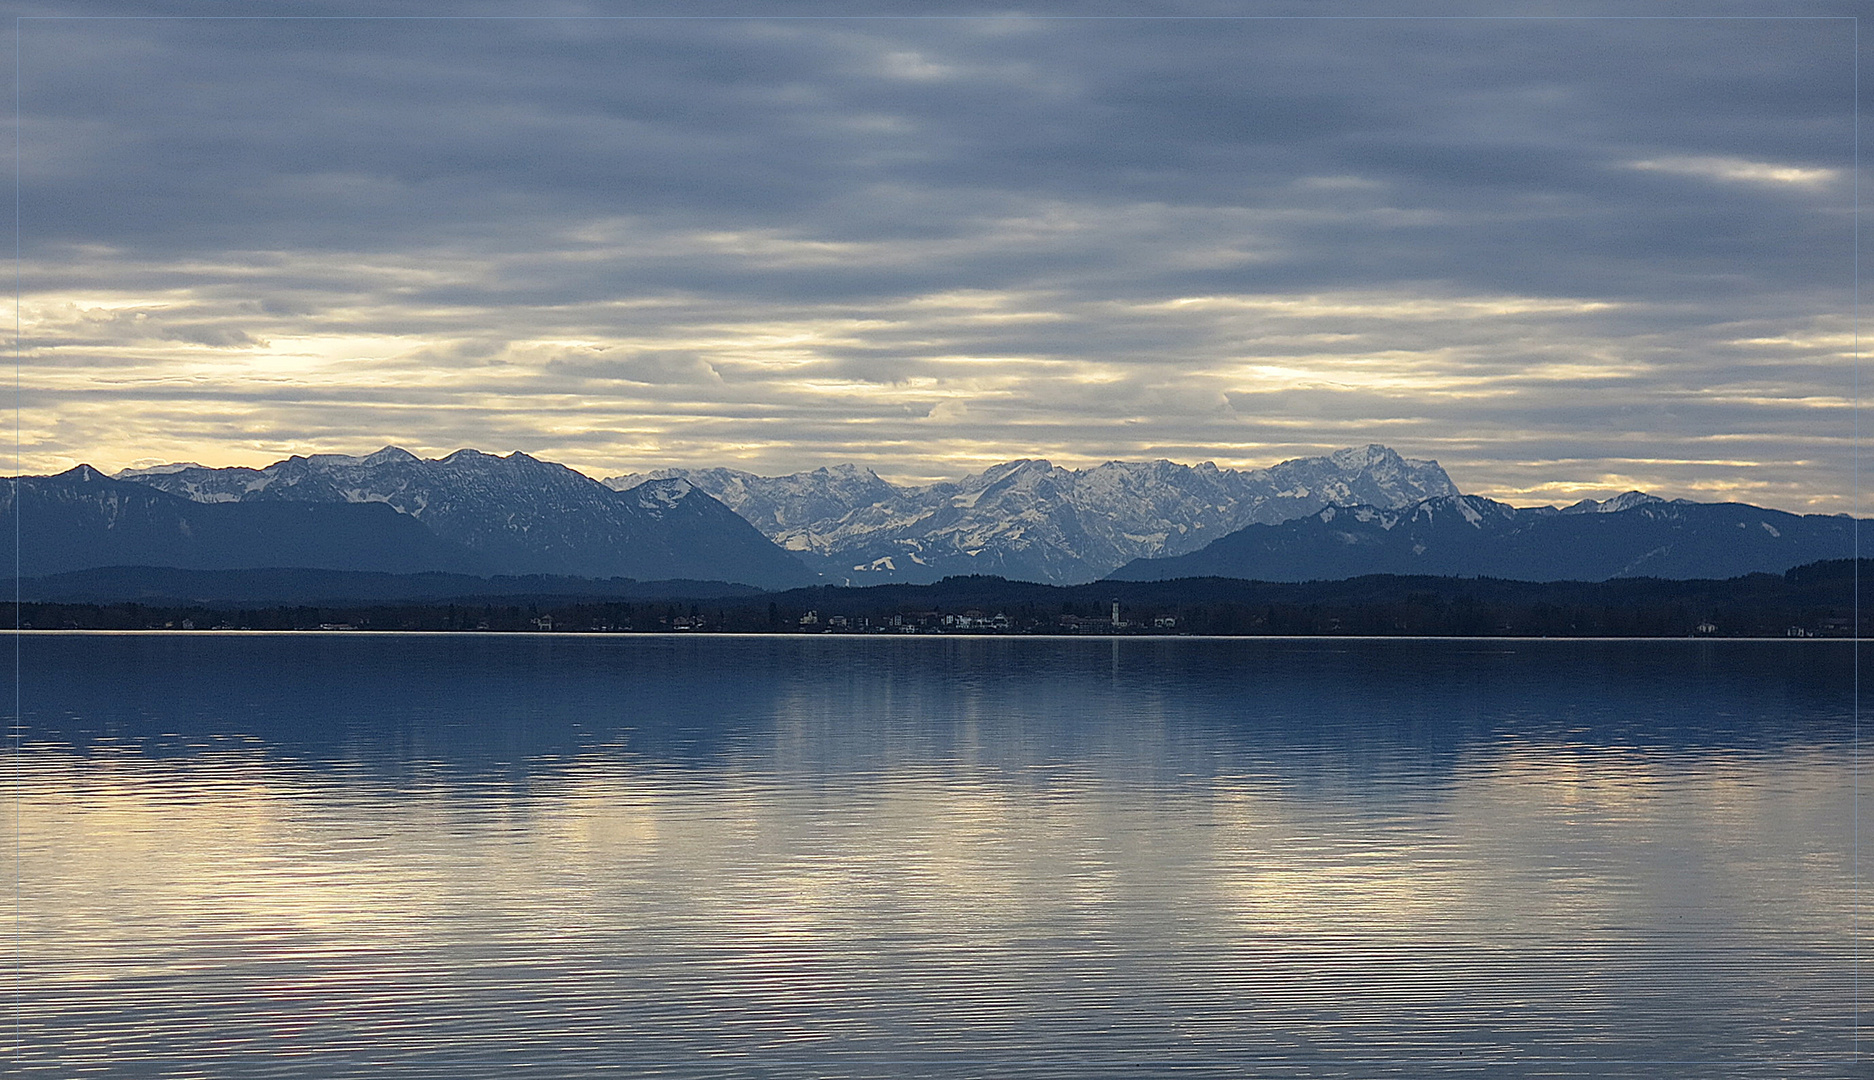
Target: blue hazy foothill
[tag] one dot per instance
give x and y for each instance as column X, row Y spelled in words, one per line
column 1472, row 536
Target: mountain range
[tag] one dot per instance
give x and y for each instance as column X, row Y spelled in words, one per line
column 1631, row 535
column 81, row 519
column 1032, row 520
column 1357, row 511
column 395, row 512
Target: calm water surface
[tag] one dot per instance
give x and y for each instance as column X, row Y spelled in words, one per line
column 316, row 855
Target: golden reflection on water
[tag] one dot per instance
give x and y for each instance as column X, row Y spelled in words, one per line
column 1530, row 841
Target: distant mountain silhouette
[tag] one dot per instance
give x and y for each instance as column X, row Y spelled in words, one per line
column 81, row 518
column 1633, row 535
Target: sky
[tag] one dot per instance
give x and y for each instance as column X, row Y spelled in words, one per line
column 1564, row 257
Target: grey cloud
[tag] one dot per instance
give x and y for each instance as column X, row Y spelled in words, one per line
column 477, row 195
column 471, row 353
column 642, row 367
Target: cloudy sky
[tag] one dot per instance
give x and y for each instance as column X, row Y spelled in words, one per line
column 1564, row 257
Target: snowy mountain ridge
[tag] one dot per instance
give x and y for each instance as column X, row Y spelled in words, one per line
column 1031, row 519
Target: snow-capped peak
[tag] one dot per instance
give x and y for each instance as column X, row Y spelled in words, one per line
column 662, row 494
column 156, row 470
column 1363, row 457
column 1033, row 519
column 1624, row 501
column 388, row 455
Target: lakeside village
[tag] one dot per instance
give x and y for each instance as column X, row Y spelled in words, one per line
column 1812, row 601
column 973, row 621
column 917, row 622
column 976, row 622
column 1458, row 619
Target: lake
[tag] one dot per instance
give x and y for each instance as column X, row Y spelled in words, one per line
column 321, row 855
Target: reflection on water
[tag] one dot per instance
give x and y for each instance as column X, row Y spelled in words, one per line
column 323, row 855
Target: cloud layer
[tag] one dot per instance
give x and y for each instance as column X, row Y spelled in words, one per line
column 1561, row 257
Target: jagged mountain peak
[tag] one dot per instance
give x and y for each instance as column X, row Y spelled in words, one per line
column 1361, row 457
column 1025, row 470
column 847, row 471
column 662, row 494
column 468, row 455
column 1473, row 510
column 389, row 454
column 156, row 470
column 1020, row 467
column 328, row 460
column 1626, row 500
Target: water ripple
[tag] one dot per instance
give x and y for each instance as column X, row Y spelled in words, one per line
column 769, row 859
